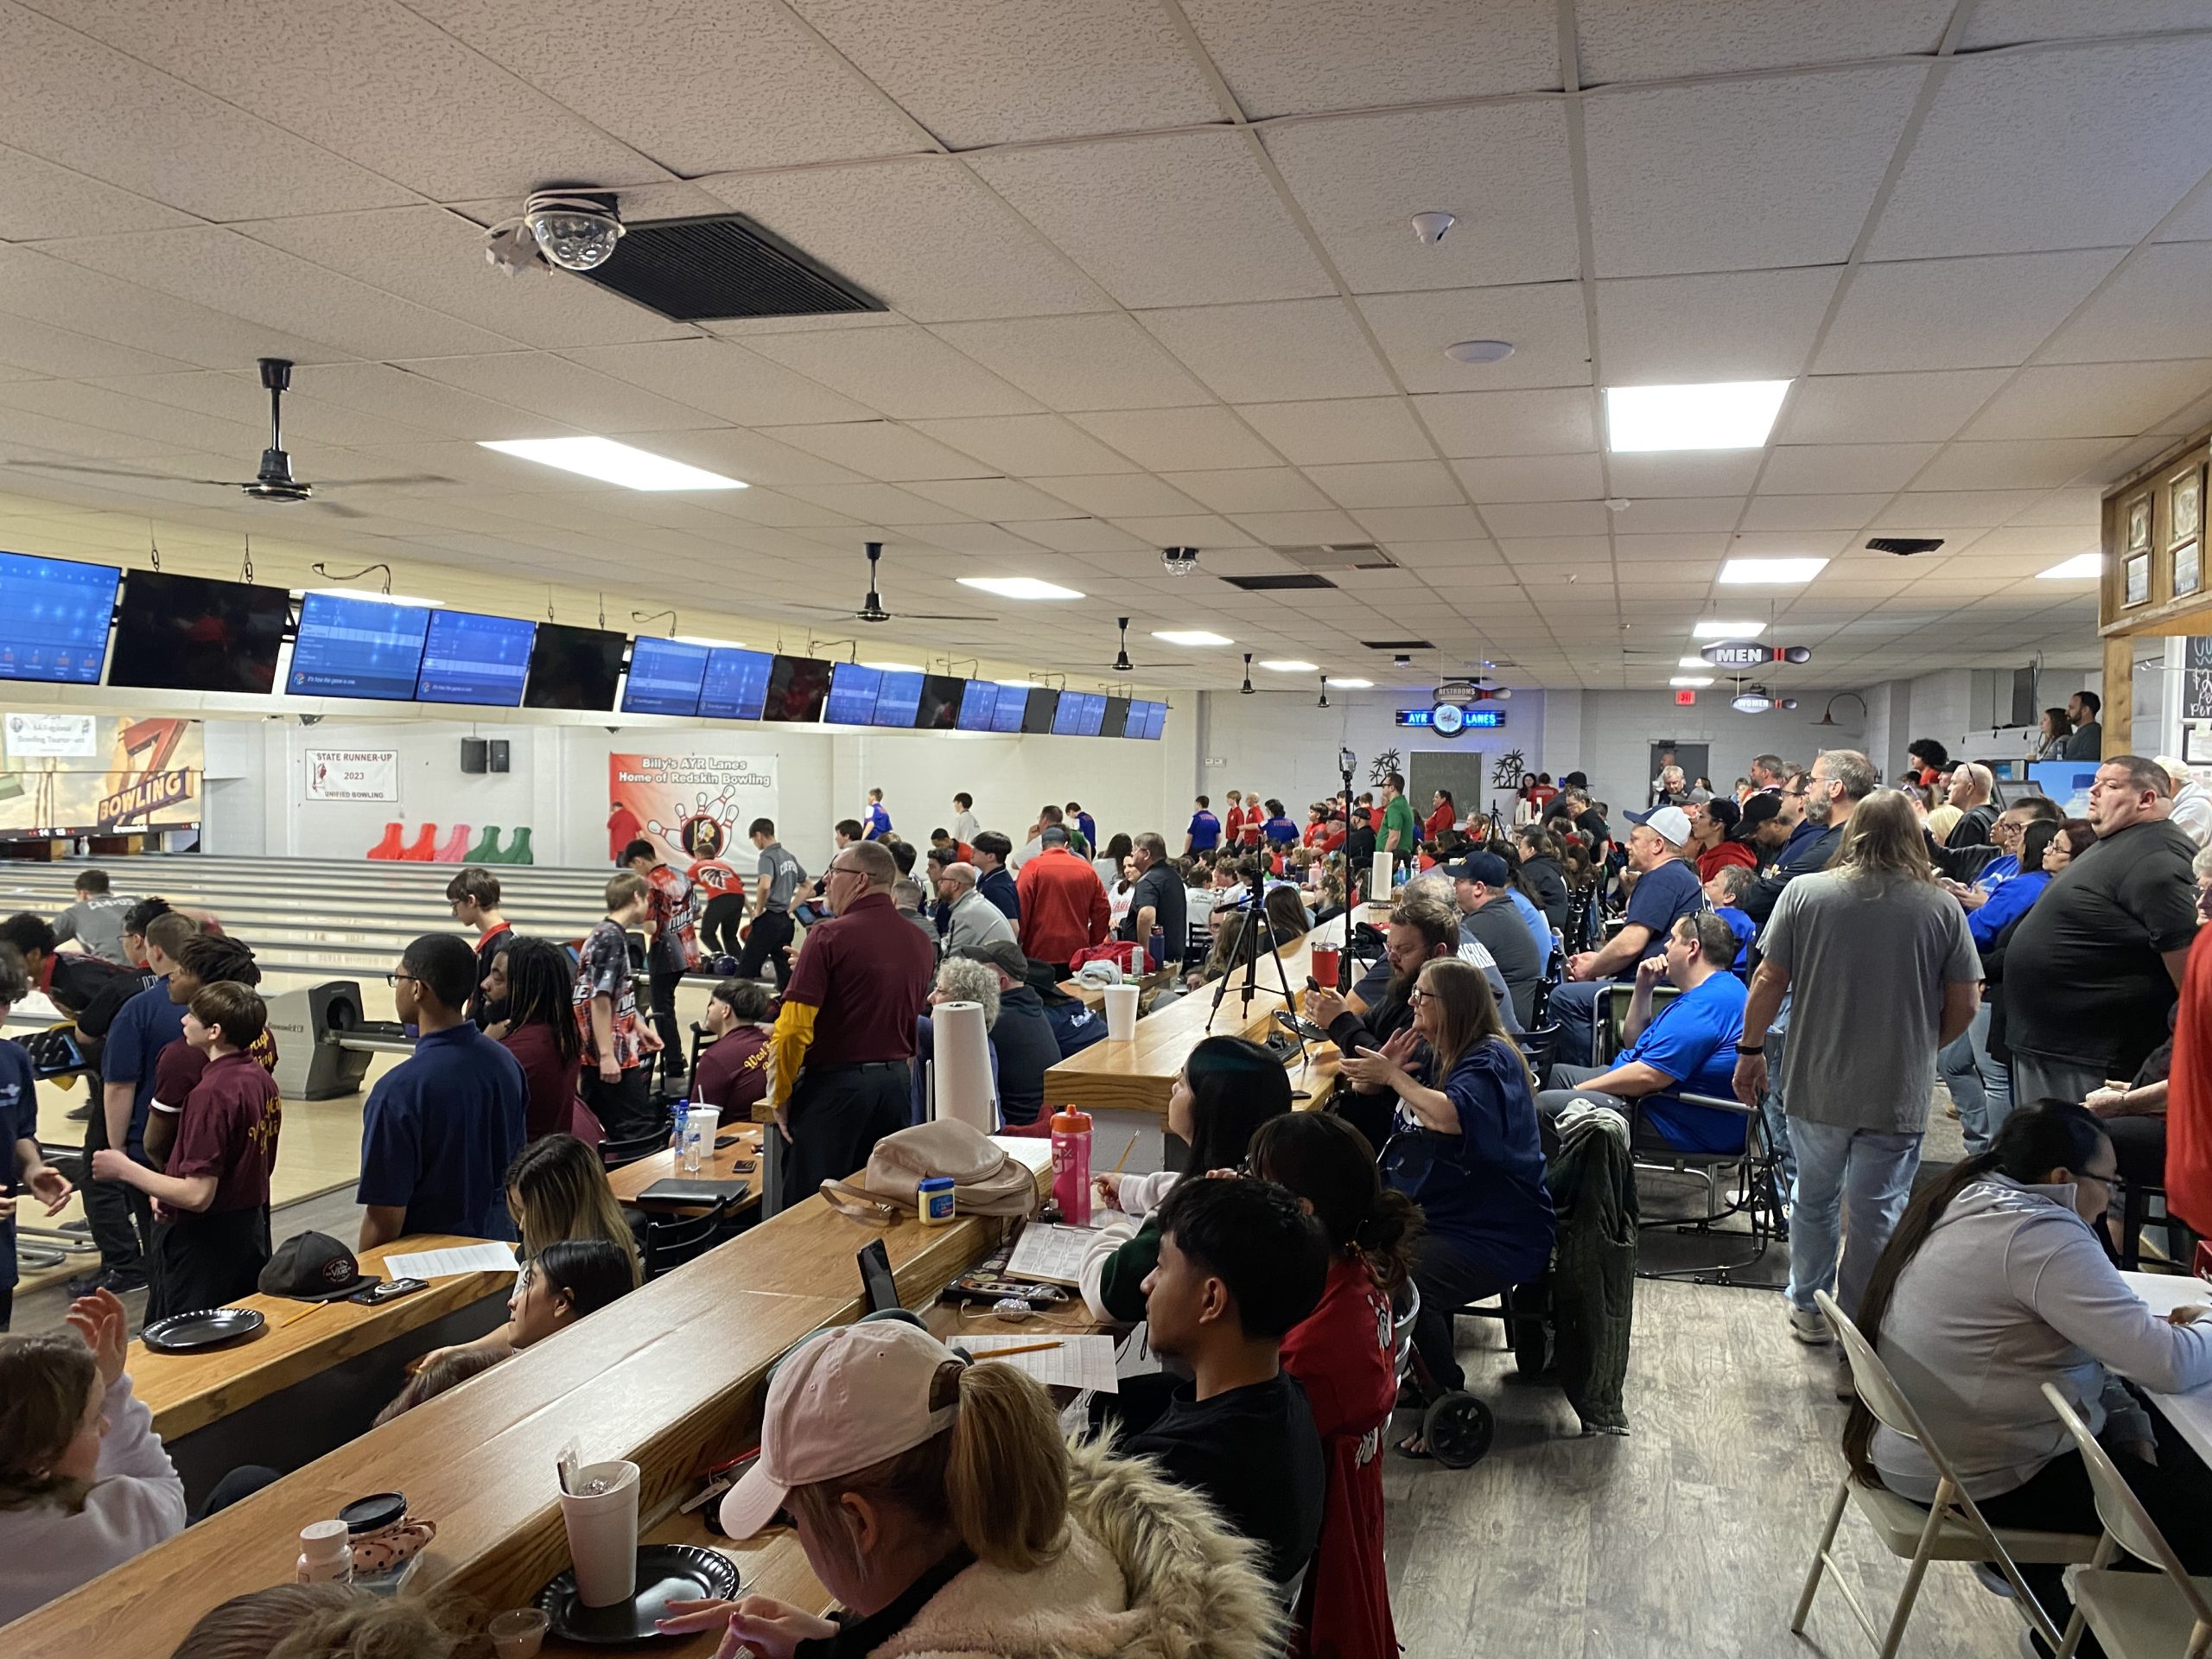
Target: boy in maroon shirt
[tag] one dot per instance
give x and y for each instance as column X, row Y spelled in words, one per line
column 213, row 1198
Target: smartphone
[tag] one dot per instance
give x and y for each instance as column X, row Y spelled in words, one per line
column 390, row 1291
column 876, row 1281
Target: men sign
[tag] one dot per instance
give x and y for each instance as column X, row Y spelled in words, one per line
column 1749, row 653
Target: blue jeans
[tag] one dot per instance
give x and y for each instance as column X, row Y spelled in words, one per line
column 1574, row 1005
column 1773, row 1115
column 1980, row 1086
column 1850, row 1182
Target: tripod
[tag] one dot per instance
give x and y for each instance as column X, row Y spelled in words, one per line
column 1254, row 933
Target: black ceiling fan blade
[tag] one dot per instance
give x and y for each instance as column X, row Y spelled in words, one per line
column 341, row 509
column 935, row 616
column 125, row 472
column 359, row 483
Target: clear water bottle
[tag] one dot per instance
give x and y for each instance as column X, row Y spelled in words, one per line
column 679, row 1110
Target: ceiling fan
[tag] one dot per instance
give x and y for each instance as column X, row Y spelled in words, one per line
column 1122, row 664
column 274, row 481
column 872, row 608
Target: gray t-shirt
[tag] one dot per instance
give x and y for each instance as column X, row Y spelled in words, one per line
column 96, row 924
column 780, row 875
column 1867, row 962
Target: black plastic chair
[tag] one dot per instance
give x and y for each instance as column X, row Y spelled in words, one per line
column 615, row 1154
column 670, row 1244
column 2135, row 1215
column 1540, row 1048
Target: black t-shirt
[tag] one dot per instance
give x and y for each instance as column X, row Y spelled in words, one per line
column 1975, row 828
column 2084, row 981
column 1359, row 846
column 1253, row 1452
column 1160, row 890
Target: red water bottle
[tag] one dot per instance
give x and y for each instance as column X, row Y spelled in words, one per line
column 1072, row 1166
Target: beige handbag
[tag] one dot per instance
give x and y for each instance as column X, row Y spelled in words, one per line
column 985, row 1181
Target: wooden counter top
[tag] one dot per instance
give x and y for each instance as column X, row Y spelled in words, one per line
column 630, row 1180
column 189, row 1392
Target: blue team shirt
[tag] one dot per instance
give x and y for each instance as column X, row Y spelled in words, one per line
column 1743, row 927
column 1089, row 826
column 1482, row 1191
column 2006, row 905
column 878, row 822
column 1662, row 897
column 1538, row 924
column 1281, row 832
column 18, row 1122
column 439, row 1131
column 148, row 1023
column 1206, row 832
column 1693, row 1039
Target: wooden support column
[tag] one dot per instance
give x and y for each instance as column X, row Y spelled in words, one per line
column 2119, row 711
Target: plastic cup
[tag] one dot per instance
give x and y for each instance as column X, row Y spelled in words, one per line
column 698, row 1136
column 603, row 1524
column 519, row 1634
column 1120, row 1013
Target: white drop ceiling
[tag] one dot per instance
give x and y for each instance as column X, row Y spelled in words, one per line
column 1151, row 282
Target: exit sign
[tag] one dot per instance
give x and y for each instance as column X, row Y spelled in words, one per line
column 1685, row 696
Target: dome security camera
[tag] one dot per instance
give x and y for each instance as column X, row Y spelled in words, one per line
column 1431, row 227
column 575, row 230
column 1179, row 561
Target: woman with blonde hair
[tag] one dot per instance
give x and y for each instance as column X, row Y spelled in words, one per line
column 1465, row 1150
column 937, row 1501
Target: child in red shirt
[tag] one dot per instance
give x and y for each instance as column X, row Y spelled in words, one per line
column 1232, row 826
column 214, row 1198
column 1345, row 1356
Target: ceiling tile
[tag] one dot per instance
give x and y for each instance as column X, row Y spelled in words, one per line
column 722, row 378
column 1686, row 473
column 906, row 373
column 1833, row 468
column 922, row 234
column 2087, row 400
column 1239, row 350
column 1991, row 173
column 1250, row 489
column 1283, row 57
column 1298, row 529
column 1531, row 477
column 1023, row 445
column 1388, row 484
column 1120, row 495
column 1400, row 526
column 1636, row 40
column 2153, row 307
column 1796, row 159
column 541, row 385
column 975, row 73
column 1956, row 314
column 882, row 450
column 1079, row 362
column 40, row 199
column 1661, row 515
column 38, row 348
column 991, row 497
column 1981, row 508
column 1546, row 518
column 1544, row 324
column 877, row 503
column 1185, row 530
column 1360, row 179
column 1794, row 513
column 2013, row 466
column 1340, row 430
column 1187, row 218
column 1740, row 326
column 1477, row 424
column 1875, row 408
column 1167, row 440
column 1078, row 536
column 751, row 456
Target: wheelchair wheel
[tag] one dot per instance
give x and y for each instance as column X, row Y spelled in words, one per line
column 1458, row 1428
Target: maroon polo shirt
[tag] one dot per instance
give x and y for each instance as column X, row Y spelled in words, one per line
column 867, row 971
column 229, row 1131
column 551, row 1081
column 732, row 1070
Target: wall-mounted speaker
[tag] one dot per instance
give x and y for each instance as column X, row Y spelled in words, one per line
column 473, row 756
column 495, row 757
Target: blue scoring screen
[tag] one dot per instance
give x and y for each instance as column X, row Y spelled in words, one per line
column 358, row 648
column 471, row 659
column 736, row 686
column 977, row 703
column 666, row 675
column 852, row 695
column 54, row 618
column 899, row 700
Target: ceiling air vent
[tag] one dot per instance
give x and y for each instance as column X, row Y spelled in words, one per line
column 1337, row 555
column 1278, row 584
column 1904, row 546
column 721, row 267
column 1397, row 644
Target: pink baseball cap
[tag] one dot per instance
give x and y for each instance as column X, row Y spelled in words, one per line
column 839, row 1404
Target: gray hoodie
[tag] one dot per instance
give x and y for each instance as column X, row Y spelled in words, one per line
column 2009, row 1291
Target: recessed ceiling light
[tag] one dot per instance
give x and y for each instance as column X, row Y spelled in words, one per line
column 1479, row 351
column 612, row 463
column 1291, row 665
column 1776, row 571
column 1725, row 414
column 1691, row 662
column 1190, row 637
column 895, row 668
column 1353, row 685
column 1690, row 679
column 1728, row 630
column 1019, row 588
column 2082, row 567
column 716, row 645
column 377, row 599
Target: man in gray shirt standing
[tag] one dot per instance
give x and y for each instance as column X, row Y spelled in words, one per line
column 972, row 920
column 95, row 921
column 778, row 881
column 1882, row 974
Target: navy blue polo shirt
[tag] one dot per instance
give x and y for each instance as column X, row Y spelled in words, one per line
column 1661, row 897
column 149, row 1023
column 440, row 1130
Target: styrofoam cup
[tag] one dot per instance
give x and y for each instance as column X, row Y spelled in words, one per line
column 1120, row 1013
column 603, row 1533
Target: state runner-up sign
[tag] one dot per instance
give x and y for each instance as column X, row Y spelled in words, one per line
column 1749, row 653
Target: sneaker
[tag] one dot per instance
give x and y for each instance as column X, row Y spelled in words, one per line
column 1995, row 1582
column 1807, row 1325
column 115, row 1278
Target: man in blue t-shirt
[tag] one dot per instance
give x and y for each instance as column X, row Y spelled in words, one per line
column 441, row 1127
column 1205, row 834
column 876, row 819
column 1690, row 1044
column 1666, row 890
column 145, row 1025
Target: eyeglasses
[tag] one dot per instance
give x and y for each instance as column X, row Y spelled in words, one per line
column 841, row 870
column 2104, row 1181
column 1417, row 994
column 394, row 979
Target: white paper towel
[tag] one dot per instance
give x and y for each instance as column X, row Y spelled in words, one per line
column 1379, row 892
column 962, row 1066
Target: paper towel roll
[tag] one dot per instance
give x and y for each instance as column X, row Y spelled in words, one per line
column 1379, row 892
column 962, row 1045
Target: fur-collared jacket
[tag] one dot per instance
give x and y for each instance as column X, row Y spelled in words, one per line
column 1149, row 1573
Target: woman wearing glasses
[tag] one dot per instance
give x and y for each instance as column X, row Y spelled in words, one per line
column 1465, row 1150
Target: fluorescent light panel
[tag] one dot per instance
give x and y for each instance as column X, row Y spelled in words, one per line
column 1725, row 414
column 895, row 668
column 1190, row 637
column 1018, row 587
column 612, row 463
column 1690, row 679
column 1354, row 685
column 2082, row 567
column 1776, row 572
column 1290, row 666
column 1691, row 662
column 1728, row 630
column 701, row 640
column 380, row 599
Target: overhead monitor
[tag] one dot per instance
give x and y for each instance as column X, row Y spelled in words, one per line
column 574, row 668
column 736, row 686
column 189, row 633
column 852, row 695
column 472, row 659
column 938, row 708
column 1114, row 721
column 1155, row 719
column 54, row 618
column 1145, row 719
column 900, row 698
column 1013, row 707
column 1079, row 713
column 796, row 688
column 358, row 648
column 1043, row 705
column 666, row 675
column 978, row 702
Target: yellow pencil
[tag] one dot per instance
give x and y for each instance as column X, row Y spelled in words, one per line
column 1126, row 1151
column 1025, row 1348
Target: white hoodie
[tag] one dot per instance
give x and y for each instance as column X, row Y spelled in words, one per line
column 137, row 1502
column 2009, row 1291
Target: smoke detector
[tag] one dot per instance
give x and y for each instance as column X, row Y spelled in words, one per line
column 1431, row 227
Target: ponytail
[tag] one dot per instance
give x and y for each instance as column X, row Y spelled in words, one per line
column 1327, row 1161
column 2034, row 1141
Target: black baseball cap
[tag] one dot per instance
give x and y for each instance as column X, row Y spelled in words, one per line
column 1757, row 810
column 312, row 1268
